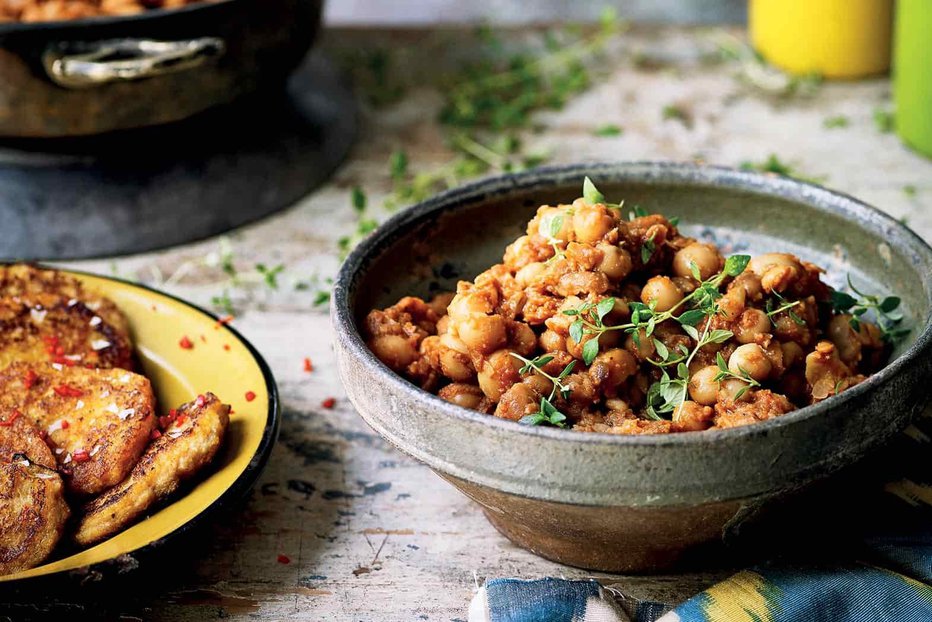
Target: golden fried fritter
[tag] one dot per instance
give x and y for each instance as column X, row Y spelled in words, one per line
column 97, row 421
column 186, row 446
column 50, row 328
column 26, row 281
column 32, row 499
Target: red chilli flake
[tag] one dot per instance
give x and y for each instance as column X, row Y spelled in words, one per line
column 66, row 391
column 80, row 455
column 186, row 343
column 226, row 347
column 201, row 401
column 250, row 396
column 64, row 424
column 330, row 402
column 283, row 559
column 155, row 435
column 308, row 365
column 29, row 378
column 13, row 417
column 223, row 321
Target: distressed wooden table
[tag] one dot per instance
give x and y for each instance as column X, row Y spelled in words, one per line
column 371, row 534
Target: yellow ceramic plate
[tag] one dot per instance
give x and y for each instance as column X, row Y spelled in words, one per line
column 222, row 362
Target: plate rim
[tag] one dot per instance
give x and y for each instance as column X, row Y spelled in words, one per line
column 243, row 483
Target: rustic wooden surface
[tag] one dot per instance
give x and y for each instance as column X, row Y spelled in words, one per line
column 371, row 534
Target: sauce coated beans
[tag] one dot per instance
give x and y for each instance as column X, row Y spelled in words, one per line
column 599, row 323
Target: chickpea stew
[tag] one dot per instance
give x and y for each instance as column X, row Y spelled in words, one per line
column 605, row 319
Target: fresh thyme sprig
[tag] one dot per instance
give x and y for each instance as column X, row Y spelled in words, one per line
column 547, row 412
column 485, row 105
column 724, row 373
column 550, row 227
column 666, row 396
column 645, row 318
column 886, row 311
column 773, row 308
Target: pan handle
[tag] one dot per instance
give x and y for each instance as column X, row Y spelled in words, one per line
column 85, row 65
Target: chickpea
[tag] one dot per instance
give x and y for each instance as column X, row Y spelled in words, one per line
column 576, row 349
column 396, row 351
column 752, row 325
column 546, row 217
column 465, row 395
column 498, row 373
column 522, row 338
column 538, row 383
column 454, row 359
column 468, row 303
column 702, row 386
column 690, row 416
column 662, row 291
column 582, row 282
column 552, row 341
column 591, row 222
column 643, row 348
column 732, row 304
column 582, row 389
column 482, row 333
column 750, row 283
column 440, row 302
column 792, row 353
column 777, row 271
column 705, row 256
column 519, row 253
column 612, row 367
column 751, row 359
column 616, row 261
column 730, row 388
column 845, row 339
column 443, row 325
column 517, row 402
column 530, row 273
column 761, row 264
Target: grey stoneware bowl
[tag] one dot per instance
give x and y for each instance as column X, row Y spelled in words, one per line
column 635, row 503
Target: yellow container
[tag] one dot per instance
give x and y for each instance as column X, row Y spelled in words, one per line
column 832, row 38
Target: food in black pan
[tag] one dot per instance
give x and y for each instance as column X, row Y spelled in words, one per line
column 55, row 10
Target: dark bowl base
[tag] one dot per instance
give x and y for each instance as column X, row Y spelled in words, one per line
column 636, row 540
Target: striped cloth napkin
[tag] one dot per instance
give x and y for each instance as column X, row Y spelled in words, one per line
column 886, row 575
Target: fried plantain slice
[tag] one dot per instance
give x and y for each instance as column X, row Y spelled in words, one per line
column 186, row 446
column 32, row 497
column 47, row 327
column 97, row 421
column 25, row 281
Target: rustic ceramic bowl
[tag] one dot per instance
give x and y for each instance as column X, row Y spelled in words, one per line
column 635, row 503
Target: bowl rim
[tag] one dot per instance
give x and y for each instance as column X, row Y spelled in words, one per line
column 243, row 483
column 712, row 176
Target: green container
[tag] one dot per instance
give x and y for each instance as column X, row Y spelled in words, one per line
column 912, row 73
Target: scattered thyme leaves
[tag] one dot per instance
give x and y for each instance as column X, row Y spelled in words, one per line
column 836, row 122
column 608, row 130
column 270, row 275
column 358, row 199
column 884, row 120
column 886, row 312
column 773, row 164
column 547, row 412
